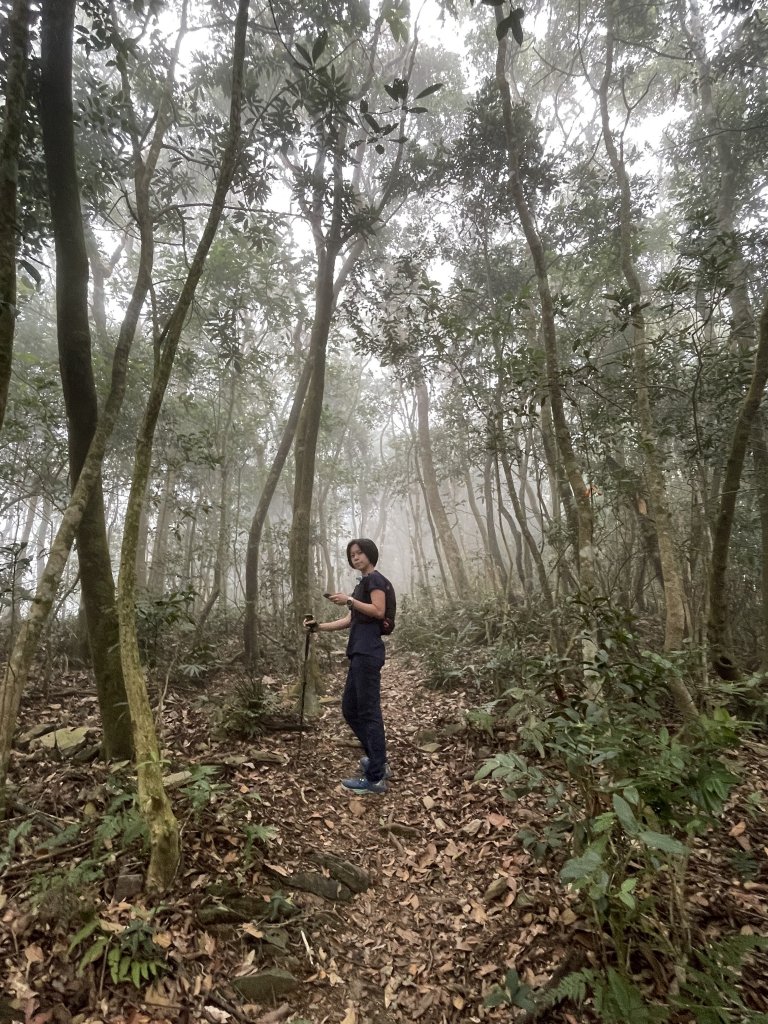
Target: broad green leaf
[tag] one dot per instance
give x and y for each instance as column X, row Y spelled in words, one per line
column 625, row 814
column 659, row 841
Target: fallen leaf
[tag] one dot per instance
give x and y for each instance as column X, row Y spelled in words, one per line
column 278, row 869
column 497, row 820
column 428, row 857
column 738, row 829
column 350, row 1017
column 357, row 807
column 34, row 955
column 451, row 849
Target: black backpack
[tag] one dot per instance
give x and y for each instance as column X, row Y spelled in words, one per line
column 390, row 610
column 387, row 624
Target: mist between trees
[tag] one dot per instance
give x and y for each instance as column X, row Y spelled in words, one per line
column 275, row 276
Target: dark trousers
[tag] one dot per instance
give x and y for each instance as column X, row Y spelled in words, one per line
column 361, row 707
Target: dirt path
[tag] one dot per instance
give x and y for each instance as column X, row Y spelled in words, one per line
column 424, row 942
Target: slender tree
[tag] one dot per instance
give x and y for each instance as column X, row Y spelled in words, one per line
column 10, row 143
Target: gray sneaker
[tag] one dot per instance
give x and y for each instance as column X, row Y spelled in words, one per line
column 364, row 762
column 363, row 786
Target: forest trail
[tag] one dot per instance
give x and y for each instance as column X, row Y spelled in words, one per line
column 427, row 939
column 424, row 942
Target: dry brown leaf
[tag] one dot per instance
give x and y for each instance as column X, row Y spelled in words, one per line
column 357, row 807
column 278, row 869
column 738, row 829
column 428, row 857
column 497, row 820
column 34, row 955
column 350, row 1017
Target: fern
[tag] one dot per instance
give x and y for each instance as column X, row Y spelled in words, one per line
column 6, row 856
column 710, row 991
column 573, row 987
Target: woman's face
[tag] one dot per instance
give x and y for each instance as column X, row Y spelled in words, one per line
column 359, row 560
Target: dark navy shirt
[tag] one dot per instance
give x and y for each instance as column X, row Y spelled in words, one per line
column 365, row 632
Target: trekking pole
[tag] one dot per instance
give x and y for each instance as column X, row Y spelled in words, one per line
column 307, row 641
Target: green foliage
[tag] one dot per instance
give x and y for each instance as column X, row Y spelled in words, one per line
column 710, row 987
column 160, row 620
column 625, row 793
column 14, row 835
column 129, row 954
column 251, row 702
column 513, row 993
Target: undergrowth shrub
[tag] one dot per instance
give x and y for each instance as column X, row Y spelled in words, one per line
column 482, row 644
column 249, row 704
column 627, row 790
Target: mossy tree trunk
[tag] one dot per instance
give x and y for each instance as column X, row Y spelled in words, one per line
column 16, row 671
column 74, row 340
column 18, row 27
column 154, row 804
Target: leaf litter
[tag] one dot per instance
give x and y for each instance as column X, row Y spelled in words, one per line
column 454, row 903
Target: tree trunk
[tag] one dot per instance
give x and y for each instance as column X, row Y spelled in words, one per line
column 743, row 333
column 305, row 452
column 432, row 494
column 760, row 454
column 17, row 669
column 153, row 801
column 250, row 629
column 13, row 120
column 670, row 566
column 74, row 340
column 157, row 568
column 719, row 644
column 579, row 490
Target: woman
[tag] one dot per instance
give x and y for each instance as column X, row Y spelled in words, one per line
column 361, row 703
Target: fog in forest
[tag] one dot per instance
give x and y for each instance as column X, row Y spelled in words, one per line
column 487, row 286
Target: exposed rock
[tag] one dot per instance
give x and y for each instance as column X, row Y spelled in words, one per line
column 66, row 741
column 23, row 741
column 265, row 757
column 408, row 831
column 265, row 985
column 352, row 876
column 128, row 886
column 231, row 910
column 176, row 779
column 226, row 904
column 87, row 753
column 313, row 881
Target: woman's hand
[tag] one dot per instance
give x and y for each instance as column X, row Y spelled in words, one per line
column 338, row 598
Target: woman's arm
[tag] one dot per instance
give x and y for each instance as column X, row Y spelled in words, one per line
column 329, row 627
column 375, row 610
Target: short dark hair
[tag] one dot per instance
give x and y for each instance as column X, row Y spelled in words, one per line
column 368, row 548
